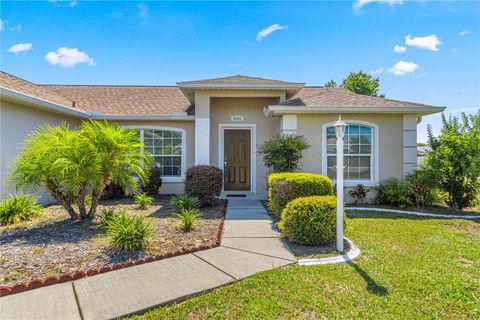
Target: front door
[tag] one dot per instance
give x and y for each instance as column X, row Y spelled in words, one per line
column 237, row 155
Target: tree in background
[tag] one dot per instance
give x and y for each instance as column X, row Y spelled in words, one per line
column 282, row 153
column 359, row 82
column 455, row 158
column 75, row 166
column 331, row 84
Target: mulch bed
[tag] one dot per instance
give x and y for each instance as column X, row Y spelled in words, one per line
column 56, row 245
column 306, row 252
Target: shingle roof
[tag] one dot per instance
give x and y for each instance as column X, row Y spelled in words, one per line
column 338, row 97
column 165, row 100
column 125, row 100
column 236, row 79
column 10, row 82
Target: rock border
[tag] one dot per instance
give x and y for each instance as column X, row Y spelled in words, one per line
column 66, row 277
column 341, row 258
column 415, row 213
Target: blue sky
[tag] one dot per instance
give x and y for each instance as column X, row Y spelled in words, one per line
column 160, row 43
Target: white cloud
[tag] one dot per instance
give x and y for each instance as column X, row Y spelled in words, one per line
column 402, row 67
column 68, row 57
column 73, row 3
column 142, row 10
column 359, row 4
column 464, row 32
column 235, row 65
column 20, row 47
column 377, row 71
column 268, row 31
column 2, row 24
column 399, row 49
column 18, row 27
column 430, row 42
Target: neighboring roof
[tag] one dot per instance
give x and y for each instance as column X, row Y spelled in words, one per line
column 236, row 79
column 125, row 100
column 12, row 83
column 321, row 96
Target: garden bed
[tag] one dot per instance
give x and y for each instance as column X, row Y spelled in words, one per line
column 52, row 244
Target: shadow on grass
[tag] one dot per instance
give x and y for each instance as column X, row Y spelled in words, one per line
column 372, row 286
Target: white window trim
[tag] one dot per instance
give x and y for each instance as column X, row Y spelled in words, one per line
column 253, row 142
column 183, row 158
column 375, row 154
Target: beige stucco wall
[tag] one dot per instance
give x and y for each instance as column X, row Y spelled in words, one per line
column 189, row 127
column 390, row 144
column 221, row 109
column 16, row 122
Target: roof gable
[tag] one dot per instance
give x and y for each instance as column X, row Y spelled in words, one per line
column 235, row 79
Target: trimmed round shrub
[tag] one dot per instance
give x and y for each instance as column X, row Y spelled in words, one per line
column 152, row 187
column 19, row 207
column 284, row 187
column 310, row 220
column 204, row 183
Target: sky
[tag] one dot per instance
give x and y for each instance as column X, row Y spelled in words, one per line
column 422, row 51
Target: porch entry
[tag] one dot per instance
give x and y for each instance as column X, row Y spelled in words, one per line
column 237, row 159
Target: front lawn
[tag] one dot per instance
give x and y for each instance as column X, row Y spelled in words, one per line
column 410, row 268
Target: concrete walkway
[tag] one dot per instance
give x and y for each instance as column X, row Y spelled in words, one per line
column 250, row 244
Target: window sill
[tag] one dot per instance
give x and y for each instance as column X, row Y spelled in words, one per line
column 172, row 179
column 353, row 183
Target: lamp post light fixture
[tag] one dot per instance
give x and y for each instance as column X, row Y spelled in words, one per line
column 340, row 126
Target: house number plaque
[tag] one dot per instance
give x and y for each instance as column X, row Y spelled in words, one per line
column 236, row 118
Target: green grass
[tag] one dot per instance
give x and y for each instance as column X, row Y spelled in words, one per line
column 410, row 268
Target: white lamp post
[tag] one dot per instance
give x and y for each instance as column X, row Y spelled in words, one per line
column 340, row 125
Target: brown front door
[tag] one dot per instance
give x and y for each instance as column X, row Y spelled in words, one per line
column 236, row 149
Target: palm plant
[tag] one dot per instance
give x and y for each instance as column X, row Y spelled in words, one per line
column 143, row 200
column 183, row 202
column 75, row 165
column 188, row 218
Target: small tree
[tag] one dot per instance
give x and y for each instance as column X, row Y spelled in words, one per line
column 362, row 83
column 331, row 84
column 282, row 153
column 455, row 158
column 74, row 165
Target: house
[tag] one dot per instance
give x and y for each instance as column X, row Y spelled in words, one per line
column 221, row 121
column 422, row 153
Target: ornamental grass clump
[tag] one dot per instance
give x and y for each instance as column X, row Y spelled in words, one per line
column 19, row 207
column 188, row 219
column 106, row 216
column 183, row 202
column 310, row 220
column 128, row 233
column 143, row 200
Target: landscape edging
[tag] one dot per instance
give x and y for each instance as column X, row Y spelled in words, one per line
column 341, row 258
column 71, row 276
column 415, row 213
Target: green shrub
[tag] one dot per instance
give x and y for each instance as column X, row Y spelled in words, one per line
column 19, row 207
column 188, row 218
column 152, row 187
column 128, row 233
column 106, row 216
column 143, row 200
column 284, row 187
column 114, row 192
column 282, row 153
column 184, row 202
column 310, row 220
column 204, row 183
column 395, row 192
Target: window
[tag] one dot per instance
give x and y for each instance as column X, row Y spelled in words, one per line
column 167, row 150
column 358, row 152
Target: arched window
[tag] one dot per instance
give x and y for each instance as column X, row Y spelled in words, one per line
column 359, row 153
column 167, row 148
